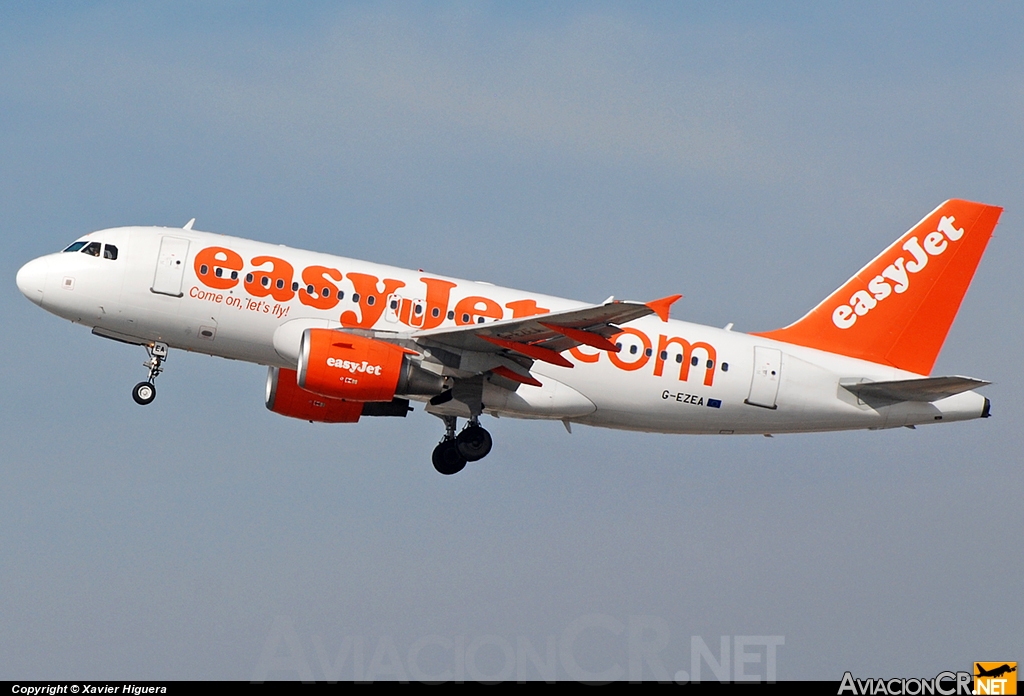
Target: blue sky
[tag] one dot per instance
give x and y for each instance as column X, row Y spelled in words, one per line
column 751, row 158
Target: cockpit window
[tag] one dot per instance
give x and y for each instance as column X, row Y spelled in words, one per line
column 92, row 249
column 75, row 247
column 110, row 252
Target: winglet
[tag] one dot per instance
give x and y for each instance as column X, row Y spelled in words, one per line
column 662, row 306
column 188, row 225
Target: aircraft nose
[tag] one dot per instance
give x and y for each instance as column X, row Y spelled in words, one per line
column 32, row 279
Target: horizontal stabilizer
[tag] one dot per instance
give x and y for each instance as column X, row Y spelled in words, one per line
column 927, row 389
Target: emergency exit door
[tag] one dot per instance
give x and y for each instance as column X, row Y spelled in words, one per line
column 764, row 386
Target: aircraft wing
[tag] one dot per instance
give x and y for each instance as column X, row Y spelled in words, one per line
column 925, row 389
column 541, row 336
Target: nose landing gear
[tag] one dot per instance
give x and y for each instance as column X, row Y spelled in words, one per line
column 145, row 392
column 452, row 453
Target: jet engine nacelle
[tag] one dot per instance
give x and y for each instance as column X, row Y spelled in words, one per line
column 341, row 365
column 285, row 397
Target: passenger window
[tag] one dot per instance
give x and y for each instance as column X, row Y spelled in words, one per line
column 204, row 269
column 76, row 246
column 326, row 292
column 694, row 361
column 92, row 249
column 110, row 252
column 295, row 286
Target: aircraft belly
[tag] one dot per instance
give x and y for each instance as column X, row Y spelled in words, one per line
column 637, row 401
column 551, row 400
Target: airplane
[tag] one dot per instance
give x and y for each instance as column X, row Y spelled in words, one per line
column 344, row 338
column 996, row 672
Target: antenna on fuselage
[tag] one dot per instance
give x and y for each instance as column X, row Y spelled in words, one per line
column 188, row 225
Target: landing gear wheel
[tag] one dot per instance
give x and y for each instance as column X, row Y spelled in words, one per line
column 447, row 458
column 474, row 443
column 144, row 393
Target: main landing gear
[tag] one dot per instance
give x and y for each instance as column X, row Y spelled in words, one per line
column 470, row 445
column 145, row 392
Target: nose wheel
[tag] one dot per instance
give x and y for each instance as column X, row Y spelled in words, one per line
column 145, row 392
column 453, row 452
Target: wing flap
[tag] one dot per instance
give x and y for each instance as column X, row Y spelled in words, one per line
column 925, row 389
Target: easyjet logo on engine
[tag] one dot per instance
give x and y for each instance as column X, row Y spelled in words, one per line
column 354, row 367
column 895, row 278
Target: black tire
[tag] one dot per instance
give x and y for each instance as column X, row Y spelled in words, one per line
column 144, row 393
column 447, row 459
column 474, row 443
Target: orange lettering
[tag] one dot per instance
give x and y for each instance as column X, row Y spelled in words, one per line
column 583, row 357
column 217, row 267
column 277, row 282
column 371, row 302
column 684, row 366
column 641, row 361
column 438, row 293
column 469, row 308
column 525, row 308
column 326, row 292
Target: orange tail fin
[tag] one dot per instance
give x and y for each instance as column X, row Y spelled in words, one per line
column 898, row 309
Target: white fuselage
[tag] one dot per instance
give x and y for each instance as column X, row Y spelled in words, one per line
column 669, row 376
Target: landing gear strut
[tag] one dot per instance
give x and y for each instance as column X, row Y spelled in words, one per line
column 452, row 453
column 145, row 392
